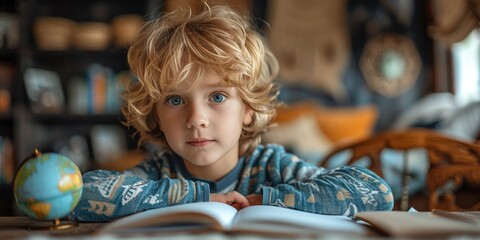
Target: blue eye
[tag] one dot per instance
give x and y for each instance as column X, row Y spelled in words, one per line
column 174, row 100
column 218, row 98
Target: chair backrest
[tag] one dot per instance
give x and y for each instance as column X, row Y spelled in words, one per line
column 454, row 165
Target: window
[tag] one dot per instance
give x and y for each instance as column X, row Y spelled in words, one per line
column 466, row 68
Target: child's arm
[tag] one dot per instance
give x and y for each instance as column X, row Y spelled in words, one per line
column 293, row 183
column 342, row 191
column 108, row 195
column 255, row 199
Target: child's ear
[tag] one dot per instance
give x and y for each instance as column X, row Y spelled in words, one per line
column 153, row 120
column 159, row 126
column 248, row 117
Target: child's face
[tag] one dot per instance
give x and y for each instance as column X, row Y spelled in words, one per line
column 203, row 124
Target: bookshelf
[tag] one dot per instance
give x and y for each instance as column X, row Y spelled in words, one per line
column 56, row 93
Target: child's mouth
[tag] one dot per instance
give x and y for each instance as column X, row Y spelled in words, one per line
column 199, row 143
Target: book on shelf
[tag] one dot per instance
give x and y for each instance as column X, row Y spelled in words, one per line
column 433, row 224
column 214, row 216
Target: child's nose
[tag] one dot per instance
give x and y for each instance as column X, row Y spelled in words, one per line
column 197, row 117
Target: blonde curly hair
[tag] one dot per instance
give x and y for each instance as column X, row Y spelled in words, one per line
column 179, row 45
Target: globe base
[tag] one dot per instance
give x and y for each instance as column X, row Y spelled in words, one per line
column 55, row 225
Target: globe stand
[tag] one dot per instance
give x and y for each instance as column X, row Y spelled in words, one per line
column 57, row 225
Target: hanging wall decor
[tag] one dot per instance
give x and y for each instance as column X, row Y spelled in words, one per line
column 311, row 42
column 390, row 64
column 454, row 20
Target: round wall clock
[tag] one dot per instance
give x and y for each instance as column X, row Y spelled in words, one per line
column 390, row 64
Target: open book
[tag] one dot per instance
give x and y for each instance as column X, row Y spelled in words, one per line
column 214, row 216
column 436, row 223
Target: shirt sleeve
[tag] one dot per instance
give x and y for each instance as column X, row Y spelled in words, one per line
column 346, row 190
column 108, row 195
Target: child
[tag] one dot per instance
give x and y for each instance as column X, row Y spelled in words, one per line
column 205, row 93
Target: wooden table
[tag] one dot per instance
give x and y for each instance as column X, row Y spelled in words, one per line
column 24, row 227
column 27, row 228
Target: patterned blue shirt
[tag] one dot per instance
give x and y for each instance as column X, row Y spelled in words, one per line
column 282, row 178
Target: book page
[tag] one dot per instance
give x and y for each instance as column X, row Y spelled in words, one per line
column 207, row 215
column 417, row 224
column 271, row 218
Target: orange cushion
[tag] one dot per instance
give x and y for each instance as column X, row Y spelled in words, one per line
column 339, row 124
column 347, row 123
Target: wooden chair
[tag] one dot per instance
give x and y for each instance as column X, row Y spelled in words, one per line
column 453, row 177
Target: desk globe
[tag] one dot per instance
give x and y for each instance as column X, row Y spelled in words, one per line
column 48, row 186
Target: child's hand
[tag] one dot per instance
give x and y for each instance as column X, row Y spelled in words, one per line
column 255, row 199
column 235, row 199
